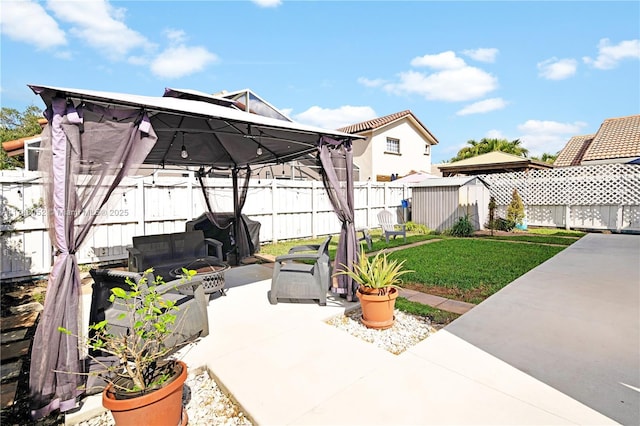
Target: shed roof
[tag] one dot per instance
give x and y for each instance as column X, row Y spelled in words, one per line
column 451, row 181
column 492, row 162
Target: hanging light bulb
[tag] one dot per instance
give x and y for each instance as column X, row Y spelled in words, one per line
column 259, row 151
column 183, row 152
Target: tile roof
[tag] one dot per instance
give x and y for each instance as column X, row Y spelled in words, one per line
column 573, row 151
column 616, row 138
column 383, row 121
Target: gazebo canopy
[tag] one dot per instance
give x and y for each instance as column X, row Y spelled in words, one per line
column 212, row 135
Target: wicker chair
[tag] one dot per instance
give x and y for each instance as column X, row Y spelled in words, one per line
column 293, row 279
column 389, row 227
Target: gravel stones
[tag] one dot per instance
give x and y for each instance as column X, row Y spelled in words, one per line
column 407, row 330
column 205, row 402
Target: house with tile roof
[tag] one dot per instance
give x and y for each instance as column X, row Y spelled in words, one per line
column 395, row 145
column 616, row 141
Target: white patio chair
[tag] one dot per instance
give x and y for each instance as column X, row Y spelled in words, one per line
column 390, row 227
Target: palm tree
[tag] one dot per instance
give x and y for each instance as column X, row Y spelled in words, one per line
column 485, row 145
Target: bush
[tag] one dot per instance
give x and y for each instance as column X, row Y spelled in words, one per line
column 501, row 224
column 418, row 228
column 462, row 228
column 515, row 209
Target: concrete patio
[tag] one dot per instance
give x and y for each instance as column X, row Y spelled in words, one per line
column 560, row 345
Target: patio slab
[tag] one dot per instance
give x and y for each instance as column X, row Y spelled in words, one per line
column 557, row 346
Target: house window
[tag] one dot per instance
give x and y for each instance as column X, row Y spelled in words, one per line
column 393, row 146
column 427, row 149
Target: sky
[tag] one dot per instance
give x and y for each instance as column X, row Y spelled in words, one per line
column 540, row 71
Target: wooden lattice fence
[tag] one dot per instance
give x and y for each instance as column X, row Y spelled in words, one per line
column 604, row 196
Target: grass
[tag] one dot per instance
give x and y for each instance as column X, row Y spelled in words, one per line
column 539, row 239
column 437, row 317
column 379, row 243
column 469, row 270
column 464, row 269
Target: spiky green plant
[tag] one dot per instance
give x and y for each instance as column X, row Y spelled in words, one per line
column 378, row 273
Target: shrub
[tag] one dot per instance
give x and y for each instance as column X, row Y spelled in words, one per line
column 515, row 210
column 501, row 224
column 418, row 228
column 462, row 228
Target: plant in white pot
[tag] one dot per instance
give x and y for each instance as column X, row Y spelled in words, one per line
column 144, row 385
column 378, row 278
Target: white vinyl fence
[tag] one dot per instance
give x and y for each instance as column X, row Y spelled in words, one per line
column 597, row 197
column 602, row 197
column 286, row 209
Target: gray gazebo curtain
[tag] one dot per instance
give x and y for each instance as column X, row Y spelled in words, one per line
column 87, row 150
column 339, row 156
column 241, row 233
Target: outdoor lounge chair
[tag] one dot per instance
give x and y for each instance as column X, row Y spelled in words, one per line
column 389, row 227
column 293, row 279
column 192, row 320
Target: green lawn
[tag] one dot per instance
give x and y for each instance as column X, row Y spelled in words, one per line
column 469, row 269
column 465, row 269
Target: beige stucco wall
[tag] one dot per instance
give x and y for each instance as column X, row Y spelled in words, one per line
column 373, row 160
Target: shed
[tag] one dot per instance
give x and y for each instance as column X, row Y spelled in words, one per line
column 438, row 203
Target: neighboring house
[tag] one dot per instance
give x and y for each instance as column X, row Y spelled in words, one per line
column 395, row 145
column 491, row 162
column 617, row 141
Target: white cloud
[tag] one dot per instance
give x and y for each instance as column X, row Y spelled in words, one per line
column 179, row 61
column 335, row 118
column 609, row 56
column 482, row 107
column 557, row 69
column 101, row 26
column 267, row 3
column 540, row 136
column 451, row 85
column 28, row 22
column 443, row 61
column 482, row 54
column 371, row 83
column 495, row 134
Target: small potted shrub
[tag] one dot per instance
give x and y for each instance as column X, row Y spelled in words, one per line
column 377, row 279
column 144, row 386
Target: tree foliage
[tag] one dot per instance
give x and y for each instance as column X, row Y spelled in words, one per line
column 546, row 158
column 15, row 125
column 515, row 209
column 475, row 148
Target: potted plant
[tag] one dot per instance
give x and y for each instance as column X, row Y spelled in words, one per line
column 377, row 279
column 144, row 386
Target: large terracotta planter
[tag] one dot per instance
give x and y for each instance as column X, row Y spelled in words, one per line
column 160, row 407
column 377, row 311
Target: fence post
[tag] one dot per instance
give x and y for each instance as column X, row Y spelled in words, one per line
column 619, row 218
column 140, row 228
column 567, row 217
column 274, row 213
column 314, row 212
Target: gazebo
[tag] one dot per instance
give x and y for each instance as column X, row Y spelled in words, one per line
column 94, row 139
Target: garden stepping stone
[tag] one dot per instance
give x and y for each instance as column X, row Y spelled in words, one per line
column 15, row 350
column 25, row 320
column 13, row 336
column 8, row 394
column 11, row 370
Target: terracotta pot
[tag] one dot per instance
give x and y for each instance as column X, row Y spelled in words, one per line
column 377, row 311
column 160, row 407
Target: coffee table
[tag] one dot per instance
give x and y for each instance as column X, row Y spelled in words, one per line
column 209, row 274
